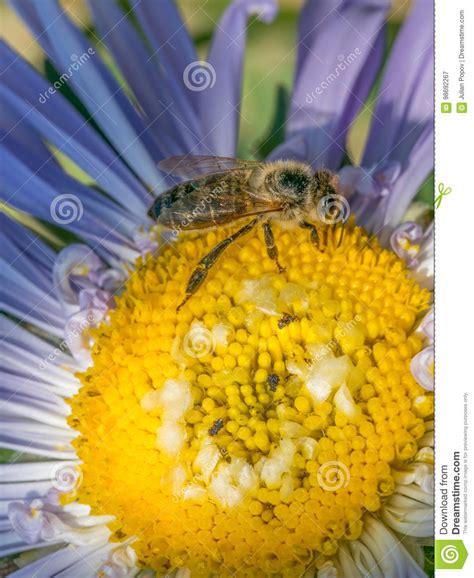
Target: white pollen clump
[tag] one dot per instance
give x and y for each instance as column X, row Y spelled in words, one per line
column 150, row 401
column 173, row 400
column 325, row 376
column 279, row 463
column 307, row 447
column 170, row 438
column 318, row 351
column 296, row 296
column 232, row 483
column 344, row 402
column 177, row 352
column 207, row 459
column 292, row 429
column 287, row 486
column 177, row 478
column 261, row 293
column 222, row 333
column 194, row 493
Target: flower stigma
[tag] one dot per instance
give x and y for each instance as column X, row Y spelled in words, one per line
column 251, row 432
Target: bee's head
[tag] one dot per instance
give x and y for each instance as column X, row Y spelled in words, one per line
column 326, row 183
column 328, row 205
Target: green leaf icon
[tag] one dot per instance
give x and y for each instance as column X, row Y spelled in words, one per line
column 450, row 554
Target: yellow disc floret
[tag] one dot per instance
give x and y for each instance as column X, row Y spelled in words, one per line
column 250, row 432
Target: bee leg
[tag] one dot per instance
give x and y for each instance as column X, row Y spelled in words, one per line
column 200, row 273
column 272, row 249
column 314, row 232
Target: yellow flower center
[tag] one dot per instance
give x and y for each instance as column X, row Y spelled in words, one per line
column 250, row 432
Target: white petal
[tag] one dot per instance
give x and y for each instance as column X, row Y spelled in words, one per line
column 422, row 368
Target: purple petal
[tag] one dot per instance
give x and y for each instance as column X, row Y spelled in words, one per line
column 58, row 122
column 142, row 74
column 26, row 252
column 405, row 241
column 24, row 391
column 27, row 526
column 61, row 560
column 417, row 168
column 349, row 179
column 221, row 97
column 31, row 437
column 422, row 368
column 34, row 360
column 427, row 325
column 21, row 298
column 328, row 91
column 32, row 186
column 167, row 33
column 95, row 86
column 73, row 257
column 405, row 102
column 172, row 49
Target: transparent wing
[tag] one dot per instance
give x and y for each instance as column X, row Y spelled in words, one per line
column 189, row 166
column 213, row 200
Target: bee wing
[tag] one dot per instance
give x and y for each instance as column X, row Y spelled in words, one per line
column 213, row 200
column 189, row 166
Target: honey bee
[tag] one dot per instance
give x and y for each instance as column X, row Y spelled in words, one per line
column 222, row 190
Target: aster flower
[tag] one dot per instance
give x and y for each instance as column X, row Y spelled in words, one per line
column 278, row 423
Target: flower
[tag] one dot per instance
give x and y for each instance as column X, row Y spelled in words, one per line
column 279, row 422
